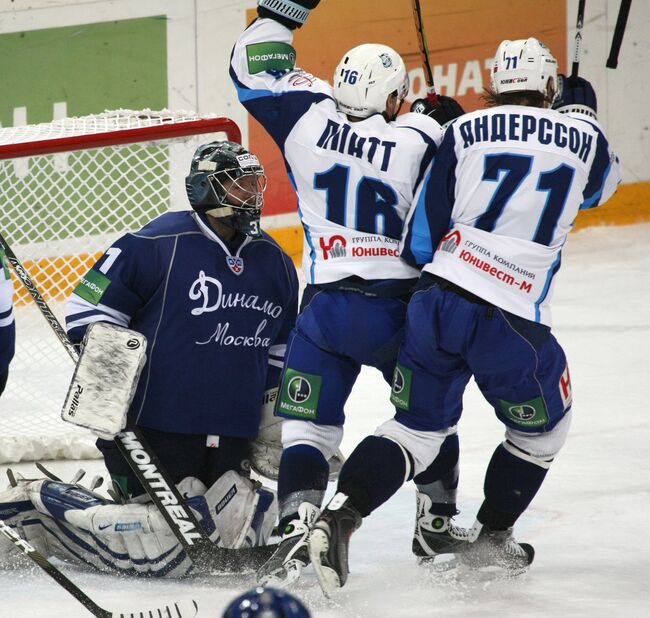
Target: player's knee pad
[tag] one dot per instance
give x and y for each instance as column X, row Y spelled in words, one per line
column 422, row 446
column 538, row 448
column 325, row 438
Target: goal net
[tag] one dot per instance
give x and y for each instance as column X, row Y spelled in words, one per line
column 69, row 189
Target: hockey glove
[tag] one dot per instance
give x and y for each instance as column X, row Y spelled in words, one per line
column 448, row 109
column 575, row 94
column 290, row 13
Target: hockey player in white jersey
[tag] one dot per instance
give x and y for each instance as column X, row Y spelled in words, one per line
column 489, row 226
column 7, row 322
column 355, row 165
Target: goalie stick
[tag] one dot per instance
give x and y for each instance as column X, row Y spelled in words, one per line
column 189, row 609
column 432, row 97
column 151, row 473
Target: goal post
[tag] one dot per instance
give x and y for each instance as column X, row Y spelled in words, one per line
column 69, row 189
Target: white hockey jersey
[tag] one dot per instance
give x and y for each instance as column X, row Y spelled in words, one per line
column 505, row 189
column 355, row 180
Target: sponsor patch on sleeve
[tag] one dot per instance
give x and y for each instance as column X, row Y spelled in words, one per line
column 272, row 56
column 92, row 286
column 5, row 265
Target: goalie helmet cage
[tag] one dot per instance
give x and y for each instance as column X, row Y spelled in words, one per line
column 69, row 189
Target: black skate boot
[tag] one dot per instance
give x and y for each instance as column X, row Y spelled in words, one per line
column 292, row 555
column 328, row 543
column 435, row 535
column 496, row 549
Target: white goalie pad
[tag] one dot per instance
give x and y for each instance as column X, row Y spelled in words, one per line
column 266, row 449
column 265, row 460
column 105, row 379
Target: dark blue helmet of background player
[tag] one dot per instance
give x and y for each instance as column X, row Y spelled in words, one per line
column 227, row 182
column 266, row 603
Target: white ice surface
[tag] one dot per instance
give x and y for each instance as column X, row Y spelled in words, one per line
column 590, row 523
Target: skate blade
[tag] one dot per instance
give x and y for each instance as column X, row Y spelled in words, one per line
column 328, row 578
column 283, row 576
column 440, row 563
column 493, row 572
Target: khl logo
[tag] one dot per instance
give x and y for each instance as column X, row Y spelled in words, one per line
column 299, row 389
column 235, row 263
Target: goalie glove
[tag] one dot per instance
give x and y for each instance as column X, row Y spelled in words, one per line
column 575, row 95
column 290, row 13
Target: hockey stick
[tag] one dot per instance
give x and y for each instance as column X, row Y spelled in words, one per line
column 619, row 31
column 150, row 472
column 26, row 548
column 577, row 47
column 432, row 97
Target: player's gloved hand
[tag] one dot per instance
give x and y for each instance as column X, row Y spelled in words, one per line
column 575, row 94
column 448, row 109
column 284, row 11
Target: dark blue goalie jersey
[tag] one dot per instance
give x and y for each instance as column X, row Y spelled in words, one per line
column 216, row 321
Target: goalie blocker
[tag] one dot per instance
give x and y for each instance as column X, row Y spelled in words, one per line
column 105, row 379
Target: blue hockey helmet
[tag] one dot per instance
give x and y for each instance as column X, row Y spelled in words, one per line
column 266, row 603
column 227, row 182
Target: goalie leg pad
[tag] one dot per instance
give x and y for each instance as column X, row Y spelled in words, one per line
column 75, row 524
column 38, row 529
column 17, row 511
column 237, row 512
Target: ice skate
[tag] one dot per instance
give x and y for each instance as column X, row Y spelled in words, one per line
column 496, row 550
column 292, row 555
column 328, row 543
column 436, row 535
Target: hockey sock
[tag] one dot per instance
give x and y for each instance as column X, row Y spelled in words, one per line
column 440, row 480
column 302, row 478
column 373, row 473
column 510, row 485
column 3, row 380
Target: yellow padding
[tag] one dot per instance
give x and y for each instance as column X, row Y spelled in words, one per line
column 54, row 278
column 290, row 239
column 630, row 204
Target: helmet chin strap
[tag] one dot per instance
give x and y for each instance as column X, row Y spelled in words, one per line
column 220, row 211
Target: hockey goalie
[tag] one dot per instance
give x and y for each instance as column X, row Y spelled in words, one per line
column 182, row 328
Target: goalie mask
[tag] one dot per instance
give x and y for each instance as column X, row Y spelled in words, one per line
column 366, row 76
column 227, row 182
column 523, row 65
